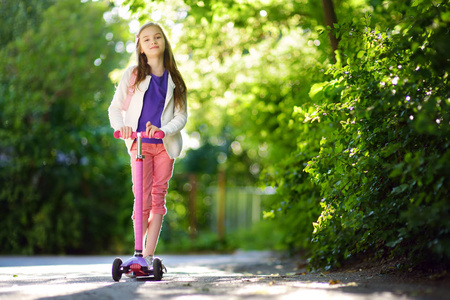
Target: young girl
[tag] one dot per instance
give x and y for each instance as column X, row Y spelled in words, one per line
column 158, row 104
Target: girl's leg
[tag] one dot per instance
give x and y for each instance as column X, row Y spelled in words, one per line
column 162, row 172
column 153, row 230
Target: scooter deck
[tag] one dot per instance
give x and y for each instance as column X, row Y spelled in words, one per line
column 138, row 265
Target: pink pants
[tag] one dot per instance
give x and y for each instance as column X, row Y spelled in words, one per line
column 157, row 170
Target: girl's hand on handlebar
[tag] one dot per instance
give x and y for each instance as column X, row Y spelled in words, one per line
column 151, row 129
column 126, row 132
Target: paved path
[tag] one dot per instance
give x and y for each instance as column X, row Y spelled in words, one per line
column 243, row 275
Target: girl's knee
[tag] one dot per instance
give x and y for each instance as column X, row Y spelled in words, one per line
column 160, row 210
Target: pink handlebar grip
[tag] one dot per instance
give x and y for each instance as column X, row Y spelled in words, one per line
column 158, row 135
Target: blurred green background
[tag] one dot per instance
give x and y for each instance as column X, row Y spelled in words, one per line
column 316, row 127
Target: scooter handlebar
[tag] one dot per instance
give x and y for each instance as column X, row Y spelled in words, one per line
column 158, row 135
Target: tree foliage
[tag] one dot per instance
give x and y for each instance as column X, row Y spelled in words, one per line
column 59, row 170
column 246, row 72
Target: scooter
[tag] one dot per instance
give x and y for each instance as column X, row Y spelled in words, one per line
column 137, row 263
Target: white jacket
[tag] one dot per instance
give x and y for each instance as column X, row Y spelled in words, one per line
column 173, row 119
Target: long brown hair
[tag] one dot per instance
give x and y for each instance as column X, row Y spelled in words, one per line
column 143, row 68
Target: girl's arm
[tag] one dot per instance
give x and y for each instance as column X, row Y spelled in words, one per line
column 178, row 121
column 115, row 109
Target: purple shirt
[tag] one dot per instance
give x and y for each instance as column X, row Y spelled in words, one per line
column 154, row 100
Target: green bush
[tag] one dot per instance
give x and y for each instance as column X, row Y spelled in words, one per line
column 384, row 170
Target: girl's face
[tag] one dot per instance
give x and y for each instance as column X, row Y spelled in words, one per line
column 152, row 42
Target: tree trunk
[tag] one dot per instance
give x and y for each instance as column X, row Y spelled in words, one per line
column 330, row 19
column 221, row 204
column 193, row 206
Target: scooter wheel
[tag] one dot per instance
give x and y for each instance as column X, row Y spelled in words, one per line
column 116, row 273
column 157, row 269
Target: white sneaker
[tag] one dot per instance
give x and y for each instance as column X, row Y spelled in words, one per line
column 149, row 260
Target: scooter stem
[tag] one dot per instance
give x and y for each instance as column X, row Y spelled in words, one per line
column 138, row 237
